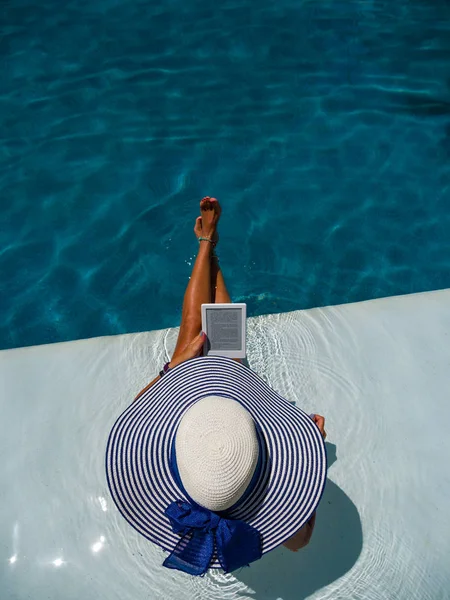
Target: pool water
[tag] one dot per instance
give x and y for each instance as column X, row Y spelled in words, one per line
column 323, row 128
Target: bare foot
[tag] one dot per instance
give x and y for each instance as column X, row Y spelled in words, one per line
column 206, row 224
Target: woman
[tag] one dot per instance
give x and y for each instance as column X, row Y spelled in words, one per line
column 229, row 461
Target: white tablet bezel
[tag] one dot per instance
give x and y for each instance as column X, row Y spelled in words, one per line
column 229, row 353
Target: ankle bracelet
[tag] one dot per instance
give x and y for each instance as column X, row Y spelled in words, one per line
column 207, row 239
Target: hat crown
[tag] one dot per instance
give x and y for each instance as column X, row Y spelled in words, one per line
column 217, row 451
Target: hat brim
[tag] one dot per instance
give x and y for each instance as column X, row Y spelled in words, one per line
column 137, row 456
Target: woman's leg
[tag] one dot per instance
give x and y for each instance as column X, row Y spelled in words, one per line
column 218, row 288
column 198, row 291
column 219, row 292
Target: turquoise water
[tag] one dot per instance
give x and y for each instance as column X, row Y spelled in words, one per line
column 324, row 129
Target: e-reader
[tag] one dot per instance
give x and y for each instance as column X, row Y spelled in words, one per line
column 225, row 328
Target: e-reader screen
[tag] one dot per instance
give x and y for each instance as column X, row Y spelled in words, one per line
column 224, row 327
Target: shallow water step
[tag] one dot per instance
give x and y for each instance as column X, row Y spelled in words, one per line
column 377, row 370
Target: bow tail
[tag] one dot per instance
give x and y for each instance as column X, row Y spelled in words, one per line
column 193, row 553
column 238, row 544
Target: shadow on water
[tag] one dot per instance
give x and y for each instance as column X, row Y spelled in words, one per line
column 334, row 549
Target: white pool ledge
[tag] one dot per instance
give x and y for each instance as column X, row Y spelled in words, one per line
column 379, row 371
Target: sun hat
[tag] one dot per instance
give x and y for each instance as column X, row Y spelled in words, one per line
column 214, row 466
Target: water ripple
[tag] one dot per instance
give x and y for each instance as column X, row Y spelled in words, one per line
column 114, row 125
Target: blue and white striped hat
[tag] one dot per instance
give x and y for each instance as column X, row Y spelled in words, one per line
column 214, row 466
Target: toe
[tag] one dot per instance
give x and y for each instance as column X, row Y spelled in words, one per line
column 206, row 204
column 215, row 204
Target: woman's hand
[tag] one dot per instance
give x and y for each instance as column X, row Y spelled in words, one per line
column 320, row 422
column 191, row 351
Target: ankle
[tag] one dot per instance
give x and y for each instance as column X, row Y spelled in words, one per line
column 209, row 235
column 205, row 248
column 206, row 239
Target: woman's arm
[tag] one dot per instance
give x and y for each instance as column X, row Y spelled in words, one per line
column 173, row 363
column 191, row 351
column 147, row 387
column 302, row 537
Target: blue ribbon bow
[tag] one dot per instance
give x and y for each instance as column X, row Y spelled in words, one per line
column 237, row 544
